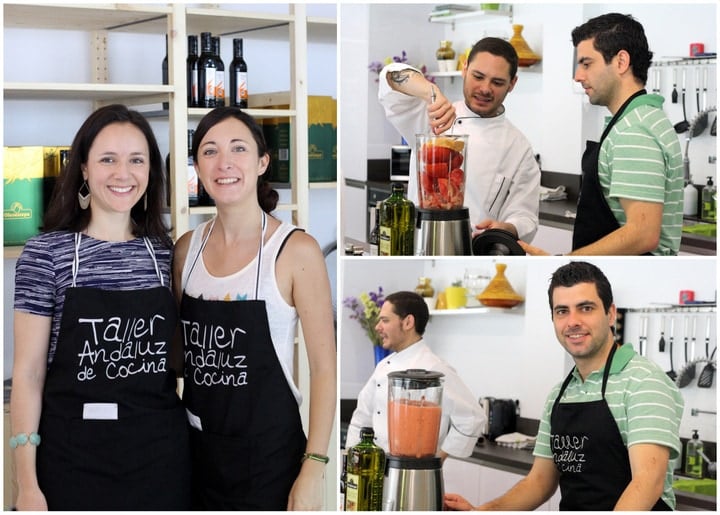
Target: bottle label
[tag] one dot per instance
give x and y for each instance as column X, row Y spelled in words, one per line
column 385, row 241
column 210, row 85
column 219, row 86
column 194, row 88
column 192, row 181
column 241, row 91
column 351, row 492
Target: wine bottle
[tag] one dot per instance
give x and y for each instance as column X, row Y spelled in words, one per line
column 207, row 66
column 192, row 177
column 238, row 76
column 343, row 482
column 365, row 472
column 165, row 78
column 219, row 74
column 192, row 72
column 397, row 224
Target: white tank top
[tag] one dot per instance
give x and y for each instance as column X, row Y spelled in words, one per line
column 241, row 286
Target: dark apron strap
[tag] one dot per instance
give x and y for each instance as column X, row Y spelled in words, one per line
column 594, row 219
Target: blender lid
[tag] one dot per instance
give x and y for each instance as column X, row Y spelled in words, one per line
column 496, row 242
column 416, row 378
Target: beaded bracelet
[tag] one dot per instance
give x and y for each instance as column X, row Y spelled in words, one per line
column 316, row 457
column 24, row 438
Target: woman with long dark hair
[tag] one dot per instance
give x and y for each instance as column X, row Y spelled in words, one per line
column 243, row 280
column 96, row 420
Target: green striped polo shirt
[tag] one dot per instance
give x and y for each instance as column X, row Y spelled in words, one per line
column 646, row 405
column 641, row 159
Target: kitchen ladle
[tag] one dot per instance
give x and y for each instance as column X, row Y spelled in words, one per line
column 684, row 125
column 661, row 343
column 671, row 373
column 701, row 120
column 674, row 95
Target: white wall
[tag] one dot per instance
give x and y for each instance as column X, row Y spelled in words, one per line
column 518, row 355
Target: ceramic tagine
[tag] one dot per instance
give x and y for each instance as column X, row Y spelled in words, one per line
column 526, row 57
column 499, row 293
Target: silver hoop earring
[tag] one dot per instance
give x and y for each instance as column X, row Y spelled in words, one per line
column 84, row 198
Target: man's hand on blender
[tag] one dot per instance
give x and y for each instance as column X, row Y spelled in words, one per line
column 494, row 224
column 455, row 502
column 531, row 250
column 440, row 111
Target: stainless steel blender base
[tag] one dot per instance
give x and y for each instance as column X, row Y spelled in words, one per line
column 413, row 484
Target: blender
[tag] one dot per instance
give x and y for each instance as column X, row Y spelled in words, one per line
column 443, row 224
column 413, row 473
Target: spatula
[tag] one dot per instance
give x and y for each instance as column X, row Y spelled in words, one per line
column 705, row 380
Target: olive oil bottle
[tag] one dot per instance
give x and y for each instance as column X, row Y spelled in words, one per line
column 397, row 224
column 365, row 473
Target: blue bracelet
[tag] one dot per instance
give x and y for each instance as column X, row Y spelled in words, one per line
column 24, row 438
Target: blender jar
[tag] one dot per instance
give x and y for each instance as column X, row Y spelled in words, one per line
column 441, row 171
column 414, row 412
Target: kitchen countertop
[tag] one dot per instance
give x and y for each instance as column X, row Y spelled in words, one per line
column 519, row 461
column 559, row 214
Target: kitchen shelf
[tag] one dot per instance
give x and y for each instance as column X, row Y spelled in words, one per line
column 178, row 20
column 676, row 308
column 455, row 17
column 480, row 310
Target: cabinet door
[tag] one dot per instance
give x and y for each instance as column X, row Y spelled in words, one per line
column 462, row 477
column 553, row 239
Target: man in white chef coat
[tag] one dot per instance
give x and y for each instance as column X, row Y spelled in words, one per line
column 402, row 321
column 503, row 177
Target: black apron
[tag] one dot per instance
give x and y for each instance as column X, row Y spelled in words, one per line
column 113, row 428
column 246, row 433
column 594, row 219
column 589, row 453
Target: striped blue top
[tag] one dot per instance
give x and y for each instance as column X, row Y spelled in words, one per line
column 44, row 272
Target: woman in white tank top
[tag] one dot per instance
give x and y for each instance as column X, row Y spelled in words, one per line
column 243, row 279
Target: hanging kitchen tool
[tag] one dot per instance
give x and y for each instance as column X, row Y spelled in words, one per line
column 661, row 343
column 707, row 375
column 674, row 95
column 684, row 125
column 687, row 373
column 708, row 327
column 643, row 335
column 701, row 120
column 671, row 373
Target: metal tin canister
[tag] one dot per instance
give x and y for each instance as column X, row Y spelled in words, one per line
column 687, row 296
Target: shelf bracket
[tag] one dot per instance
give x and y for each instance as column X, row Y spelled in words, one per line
column 98, row 56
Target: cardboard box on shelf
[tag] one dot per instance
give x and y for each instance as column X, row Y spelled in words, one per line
column 322, row 137
column 22, row 193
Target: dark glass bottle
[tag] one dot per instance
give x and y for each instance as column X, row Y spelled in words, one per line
column 192, row 72
column 397, row 224
column 238, row 76
column 192, row 177
column 165, row 78
column 365, row 472
column 207, row 67
column 343, row 482
column 219, row 74
column 374, row 237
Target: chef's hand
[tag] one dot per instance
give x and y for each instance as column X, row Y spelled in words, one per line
column 31, row 499
column 494, row 224
column 455, row 502
column 307, row 491
column 441, row 112
column 532, row 251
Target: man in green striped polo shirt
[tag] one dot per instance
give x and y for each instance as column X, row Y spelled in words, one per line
column 609, row 433
column 631, row 198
